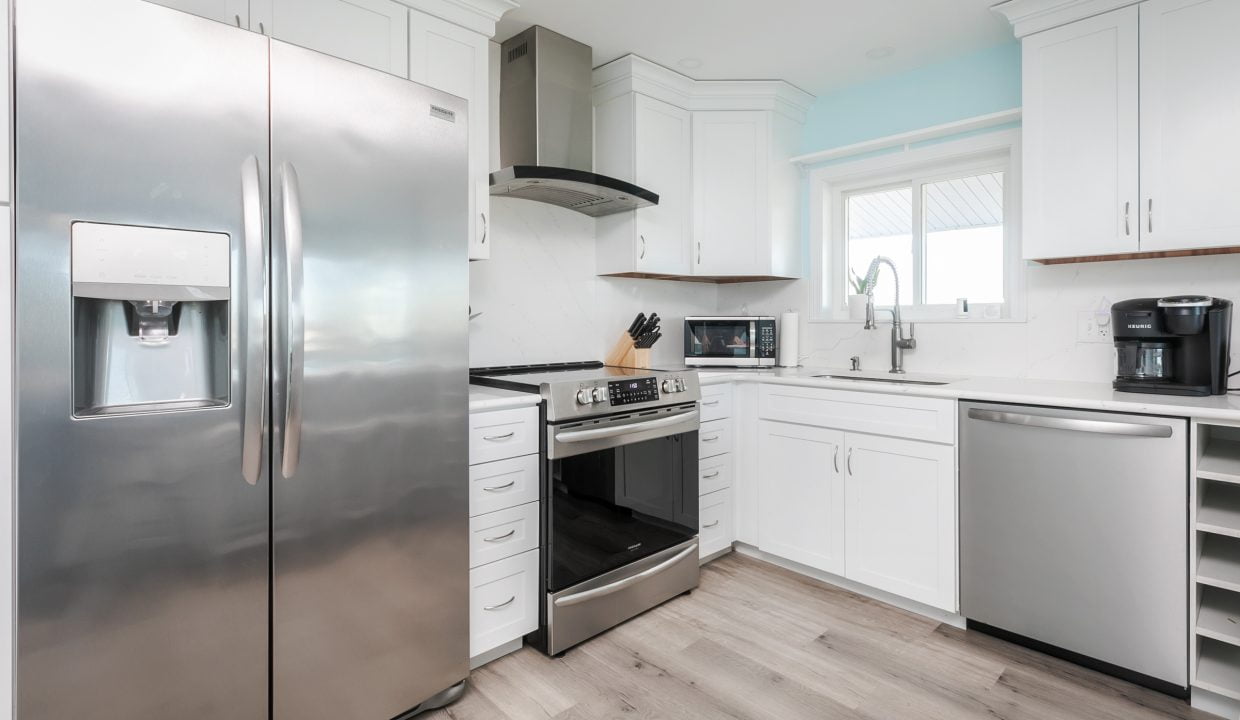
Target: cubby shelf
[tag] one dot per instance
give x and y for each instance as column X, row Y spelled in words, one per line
column 1219, row 615
column 1219, row 564
column 1220, row 460
column 1219, row 509
column 1218, row 668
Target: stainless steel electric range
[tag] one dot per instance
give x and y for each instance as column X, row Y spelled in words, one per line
column 619, row 492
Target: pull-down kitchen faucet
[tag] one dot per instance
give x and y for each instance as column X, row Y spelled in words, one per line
column 899, row 343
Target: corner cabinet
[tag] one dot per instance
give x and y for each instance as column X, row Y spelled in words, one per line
column 451, row 58
column 646, row 142
column 1129, row 136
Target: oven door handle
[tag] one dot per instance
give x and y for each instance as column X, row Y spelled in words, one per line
column 572, row 436
column 619, row 585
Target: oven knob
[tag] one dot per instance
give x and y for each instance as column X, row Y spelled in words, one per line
column 669, row 386
column 584, row 397
column 680, row 384
column 599, row 395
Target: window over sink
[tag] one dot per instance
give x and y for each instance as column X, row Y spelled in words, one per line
column 946, row 216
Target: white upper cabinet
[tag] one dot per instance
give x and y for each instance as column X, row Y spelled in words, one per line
column 1130, row 124
column 728, row 211
column 374, row 33
column 233, row 12
column 1081, row 138
column 646, row 142
column 1190, row 114
column 451, row 58
column 900, row 517
column 801, row 494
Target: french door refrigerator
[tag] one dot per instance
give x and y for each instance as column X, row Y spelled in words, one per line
column 242, row 375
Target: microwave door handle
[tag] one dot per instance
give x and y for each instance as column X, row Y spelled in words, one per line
column 571, row 436
column 253, row 313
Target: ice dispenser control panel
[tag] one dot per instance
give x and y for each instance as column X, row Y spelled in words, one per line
column 126, row 262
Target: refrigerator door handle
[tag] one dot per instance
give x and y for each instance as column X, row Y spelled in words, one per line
column 294, row 315
column 253, row 312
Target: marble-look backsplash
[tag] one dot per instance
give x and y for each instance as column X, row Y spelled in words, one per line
column 541, row 301
column 1045, row 346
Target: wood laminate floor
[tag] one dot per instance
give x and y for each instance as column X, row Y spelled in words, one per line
column 758, row 641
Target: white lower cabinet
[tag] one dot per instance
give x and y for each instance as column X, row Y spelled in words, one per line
column 503, row 601
column 900, row 517
column 714, row 522
column 801, row 494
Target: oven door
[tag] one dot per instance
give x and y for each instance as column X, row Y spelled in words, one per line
column 620, row 489
column 720, row 341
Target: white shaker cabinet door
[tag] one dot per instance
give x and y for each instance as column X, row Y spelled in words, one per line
column 663, row 165
column 900, row 517
column 374, row 33
column 1081, row 140
column 1190, row 116
column 801, row 494
column 731, row 174
column 450, row 58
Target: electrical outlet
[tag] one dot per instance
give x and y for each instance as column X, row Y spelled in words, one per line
column 1093, row 326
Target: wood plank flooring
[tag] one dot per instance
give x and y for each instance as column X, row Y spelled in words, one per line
column 757, row 641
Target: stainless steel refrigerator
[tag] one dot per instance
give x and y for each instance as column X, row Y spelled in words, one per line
column 242, row 375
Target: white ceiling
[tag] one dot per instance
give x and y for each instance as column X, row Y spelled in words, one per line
column 817, row 45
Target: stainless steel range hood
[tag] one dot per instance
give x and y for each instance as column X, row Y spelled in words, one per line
column 546, row 123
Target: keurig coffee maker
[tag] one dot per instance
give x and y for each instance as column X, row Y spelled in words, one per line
column 1173, row 345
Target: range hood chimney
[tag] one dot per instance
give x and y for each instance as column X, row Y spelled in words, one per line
column 546, row 129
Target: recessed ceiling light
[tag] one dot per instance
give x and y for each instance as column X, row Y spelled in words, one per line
column 880, row 53
column 689, row 63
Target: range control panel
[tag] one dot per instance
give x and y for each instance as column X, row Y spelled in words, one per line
column 629, row 392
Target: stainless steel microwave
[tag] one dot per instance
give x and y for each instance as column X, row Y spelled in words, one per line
column 730, row 341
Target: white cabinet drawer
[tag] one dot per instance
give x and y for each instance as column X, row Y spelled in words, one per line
column 915, row 418
column 714, row 438
column 715, row 474
column 502, row 434
column 503, row 602
column 714, row 522
column 716, row 402
column 503, row 484
column 502, row 534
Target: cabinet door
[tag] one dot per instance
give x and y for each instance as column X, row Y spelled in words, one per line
column 731, row 162
column 801, row 494
column 233, row 12
column 450, row 58
column 1190, row 112
column 900, row 517
column 663, row 145
column 374, row 33
column 1081, row 139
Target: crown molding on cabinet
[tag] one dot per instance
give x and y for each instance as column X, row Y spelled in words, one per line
column 479, row 16
column 632, row 73
column 1031, row 16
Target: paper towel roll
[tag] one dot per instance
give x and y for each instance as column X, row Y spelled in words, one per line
column 789, row 327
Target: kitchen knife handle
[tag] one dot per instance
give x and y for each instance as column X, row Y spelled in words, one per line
column 294, row 317
column 253, row 313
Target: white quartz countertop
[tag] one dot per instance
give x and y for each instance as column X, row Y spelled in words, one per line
column 1059, row 393
column 482, row 399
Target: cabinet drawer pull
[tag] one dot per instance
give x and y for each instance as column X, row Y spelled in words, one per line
column 497, row 488
column 711, row 439
column 498, row 538
column 506, row 603
column 497, row 438
column 710, row 525
column 711, row 476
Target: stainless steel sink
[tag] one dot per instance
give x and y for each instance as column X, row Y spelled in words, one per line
column 892, row 380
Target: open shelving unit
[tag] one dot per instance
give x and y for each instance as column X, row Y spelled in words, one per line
column 1215, row 542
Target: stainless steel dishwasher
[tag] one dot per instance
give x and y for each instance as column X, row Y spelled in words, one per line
column 1074, row 536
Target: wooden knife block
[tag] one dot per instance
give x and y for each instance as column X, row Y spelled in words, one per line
column 623, row 354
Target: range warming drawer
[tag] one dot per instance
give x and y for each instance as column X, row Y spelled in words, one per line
column 1074, row 535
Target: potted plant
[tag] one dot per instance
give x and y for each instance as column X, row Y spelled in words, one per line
column 856, row 300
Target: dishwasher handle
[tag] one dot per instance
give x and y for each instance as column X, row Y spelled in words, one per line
column 1052, row 422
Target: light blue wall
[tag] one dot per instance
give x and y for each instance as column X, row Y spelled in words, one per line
column 975, row 84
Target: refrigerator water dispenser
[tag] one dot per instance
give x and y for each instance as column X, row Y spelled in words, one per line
column 151, row 324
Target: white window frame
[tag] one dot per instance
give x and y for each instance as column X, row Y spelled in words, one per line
column 830, row 186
